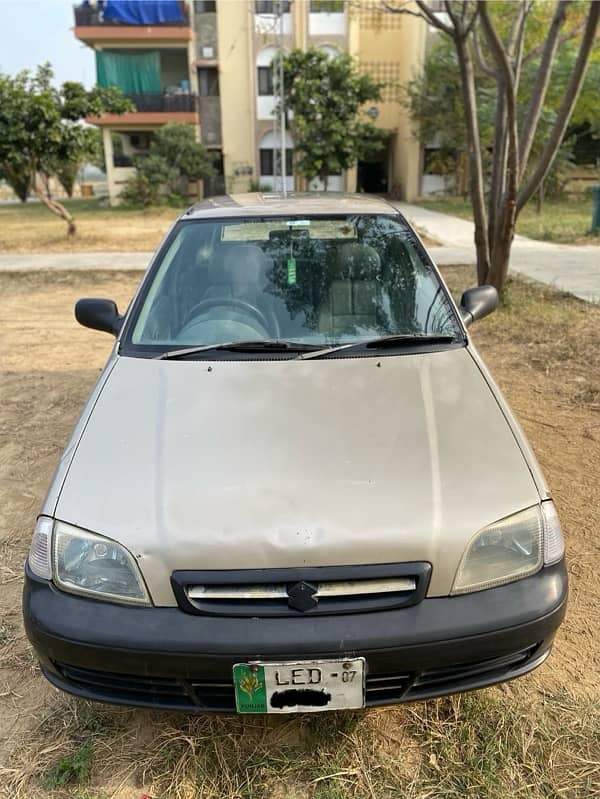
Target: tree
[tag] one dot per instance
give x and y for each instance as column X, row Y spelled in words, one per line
column 516, row 174
column 79, row 145
column 41, row 130
column 325, row 95
column 175, row 159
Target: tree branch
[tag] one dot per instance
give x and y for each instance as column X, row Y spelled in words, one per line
column 432, row 19
column 566, row 37
column 540, row 86
column 476, row 185
column 566, row 108
column 401, row 10
column 482, row 64
column 506, row 150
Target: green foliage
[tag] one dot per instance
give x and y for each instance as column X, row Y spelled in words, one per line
column 256, row 185
column 139, row 191
column 434, row 98
column 75, row 768
column 326, row 96
column 40, row 126
column 175, row 158
column 78, row 145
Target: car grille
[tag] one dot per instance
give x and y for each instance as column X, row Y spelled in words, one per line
column 289, row 592
column 211, row 694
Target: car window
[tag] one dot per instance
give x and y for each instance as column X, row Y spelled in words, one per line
column 322, row 281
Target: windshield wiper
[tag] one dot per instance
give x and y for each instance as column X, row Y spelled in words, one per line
column 267, row 345
column 380, row 343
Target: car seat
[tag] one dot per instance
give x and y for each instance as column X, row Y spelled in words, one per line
column 352, row 300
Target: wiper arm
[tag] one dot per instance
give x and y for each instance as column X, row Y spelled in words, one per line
column 381, row 342
column 256, row 345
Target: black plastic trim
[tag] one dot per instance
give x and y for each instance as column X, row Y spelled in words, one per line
column 167, row 642
column 421, row 571
column 202, row 695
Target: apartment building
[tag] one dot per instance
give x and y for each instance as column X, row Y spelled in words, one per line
column 209, row 63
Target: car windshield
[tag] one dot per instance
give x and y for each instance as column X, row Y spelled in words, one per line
column 314, row 281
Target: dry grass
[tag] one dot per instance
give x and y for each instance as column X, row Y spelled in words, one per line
column 535, row 738
column 31, row 228
column 490, row 745
column 567, row 221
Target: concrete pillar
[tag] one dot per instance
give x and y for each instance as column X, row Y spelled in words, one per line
column 109, row 165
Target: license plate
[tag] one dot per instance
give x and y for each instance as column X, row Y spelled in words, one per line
column 305, row 686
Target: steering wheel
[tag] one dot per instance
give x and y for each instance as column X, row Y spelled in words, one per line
column 223, row 302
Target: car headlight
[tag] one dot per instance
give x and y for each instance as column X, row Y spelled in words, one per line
column 510, row 549
column 86, row 563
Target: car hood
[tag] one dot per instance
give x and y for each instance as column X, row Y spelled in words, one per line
column 254, row 464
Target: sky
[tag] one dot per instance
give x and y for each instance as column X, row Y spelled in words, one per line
column 35, row 31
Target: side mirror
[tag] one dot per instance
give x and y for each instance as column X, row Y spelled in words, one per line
column 99, row 315
column 478, row 302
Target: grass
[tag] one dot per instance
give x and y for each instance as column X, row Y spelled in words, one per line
column 31, row 228
column 565, row 221
column 493, row 744
column 73, row 768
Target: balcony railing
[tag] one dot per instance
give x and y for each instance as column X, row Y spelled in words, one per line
column 183, row 101
column 88, row 16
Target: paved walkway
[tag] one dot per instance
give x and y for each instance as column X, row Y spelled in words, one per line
column 571, row 268
column 75, row 260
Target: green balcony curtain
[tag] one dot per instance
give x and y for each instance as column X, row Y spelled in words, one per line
column 133, row 73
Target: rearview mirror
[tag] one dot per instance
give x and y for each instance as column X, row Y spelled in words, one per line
column 98, row 314
column 478, row 302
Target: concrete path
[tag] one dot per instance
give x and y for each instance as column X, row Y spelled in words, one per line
column 568, row 268
column 75, row 260
column 575, row 269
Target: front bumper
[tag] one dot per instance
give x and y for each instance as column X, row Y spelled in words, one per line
column 166, row 658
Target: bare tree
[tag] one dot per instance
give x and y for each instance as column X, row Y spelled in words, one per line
column 514, row 179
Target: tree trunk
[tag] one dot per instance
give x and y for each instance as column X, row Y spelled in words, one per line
column 506, row 213
column 474, row 157
column 56, row 208
column 566, row 109
column 540, row 198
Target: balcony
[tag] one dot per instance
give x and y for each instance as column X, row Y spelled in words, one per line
column 92, row 16
column 92, row 26
column 153, row 110
column 164, row 103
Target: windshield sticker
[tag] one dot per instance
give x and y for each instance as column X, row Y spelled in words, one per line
column 284, row 229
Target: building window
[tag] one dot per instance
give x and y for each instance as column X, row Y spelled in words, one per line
column 205, row 6
column 269, row 162
column 208, row 82
column 265, row 81
column 326, row 6
column 272, row 6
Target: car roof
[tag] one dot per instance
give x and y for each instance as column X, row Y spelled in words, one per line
column 292, row 203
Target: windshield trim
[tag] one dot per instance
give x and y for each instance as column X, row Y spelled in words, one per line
column 126, row 347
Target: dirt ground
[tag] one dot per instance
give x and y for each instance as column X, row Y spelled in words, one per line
column 542, row 348
column 32, row 228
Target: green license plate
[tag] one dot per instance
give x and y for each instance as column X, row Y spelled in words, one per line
column 305, row 686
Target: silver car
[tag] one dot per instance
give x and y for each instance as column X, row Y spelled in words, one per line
column 295, row 486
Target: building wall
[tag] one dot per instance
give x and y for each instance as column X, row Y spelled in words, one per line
column 391, row 48
column 388, row 46
column 236, row 77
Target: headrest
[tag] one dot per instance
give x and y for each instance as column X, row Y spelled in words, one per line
column 358, row 261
